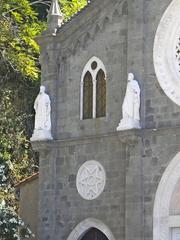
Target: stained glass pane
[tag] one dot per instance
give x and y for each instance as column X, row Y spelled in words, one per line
column 101, row 94
column 88, row 97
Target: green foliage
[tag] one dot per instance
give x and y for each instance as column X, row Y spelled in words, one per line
column 18, row 27
column 11, row 226
column 70, row 7
column 19, row 24
column 16, row 155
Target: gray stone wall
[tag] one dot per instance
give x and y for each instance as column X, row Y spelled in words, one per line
column 160, row 111
column 28, row 205
column 63, row 60
column 159, row 149
column 109, row 44
column 61, row 206
column 134, row 160
column 124, row 43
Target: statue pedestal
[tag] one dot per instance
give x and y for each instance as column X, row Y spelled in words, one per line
column 41, row 135
column 128, row 123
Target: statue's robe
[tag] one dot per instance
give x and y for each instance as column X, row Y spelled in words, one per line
column 131, row 104
column 43, row 108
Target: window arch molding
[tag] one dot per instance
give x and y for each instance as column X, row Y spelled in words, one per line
column 162, row 220
column 85, row 225
column 166, row 52
column 94, row 72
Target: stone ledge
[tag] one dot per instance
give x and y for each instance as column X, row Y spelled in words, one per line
column 122, row 136
column 126, row 137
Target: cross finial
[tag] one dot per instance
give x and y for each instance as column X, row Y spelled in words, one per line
column 55, row 16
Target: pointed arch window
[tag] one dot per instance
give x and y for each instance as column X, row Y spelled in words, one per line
column 88, row 96
column 93, row 90
column 100, row 94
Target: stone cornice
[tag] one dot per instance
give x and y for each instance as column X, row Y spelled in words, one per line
column 129, row 137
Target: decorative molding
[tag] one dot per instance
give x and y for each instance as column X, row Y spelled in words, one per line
column 122, row 136
column 165, row 59
column 86, row 39
column 115, row 16
column 174, row 221
column 106, row 21
column 90, row 180
column 125, row 8
column 167, row 184
column 90, row 35
column 85, row 225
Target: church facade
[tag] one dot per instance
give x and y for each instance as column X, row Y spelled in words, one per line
column 94, row 181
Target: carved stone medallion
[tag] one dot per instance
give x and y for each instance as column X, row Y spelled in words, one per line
column 167, row 52
column 90, row 180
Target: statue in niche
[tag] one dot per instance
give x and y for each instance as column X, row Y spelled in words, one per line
column 42, row 106
column 131, row 106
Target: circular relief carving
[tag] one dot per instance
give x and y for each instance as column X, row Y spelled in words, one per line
column 167, row 52
column 90, row 180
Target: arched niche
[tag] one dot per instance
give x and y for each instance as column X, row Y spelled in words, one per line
column 163, row 219
column 87, row 224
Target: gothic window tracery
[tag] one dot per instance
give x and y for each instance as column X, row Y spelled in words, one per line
column 93, row 90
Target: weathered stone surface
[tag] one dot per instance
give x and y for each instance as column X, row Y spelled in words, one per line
column 122, row 35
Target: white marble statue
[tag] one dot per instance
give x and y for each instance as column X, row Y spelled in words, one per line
column 131, row 106
column 42, row 106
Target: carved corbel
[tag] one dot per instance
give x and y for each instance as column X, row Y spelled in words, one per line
column 129, row 137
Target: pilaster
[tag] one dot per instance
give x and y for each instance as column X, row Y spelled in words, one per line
column 134, row 166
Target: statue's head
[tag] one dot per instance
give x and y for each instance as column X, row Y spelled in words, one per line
column 42, row 89
column 130, row 77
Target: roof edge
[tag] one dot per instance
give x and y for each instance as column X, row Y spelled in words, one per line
column 27, row 180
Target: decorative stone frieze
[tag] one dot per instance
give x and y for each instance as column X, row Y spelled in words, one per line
column 91, row 34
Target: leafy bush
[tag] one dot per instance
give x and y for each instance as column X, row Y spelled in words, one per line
column 11, row 226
